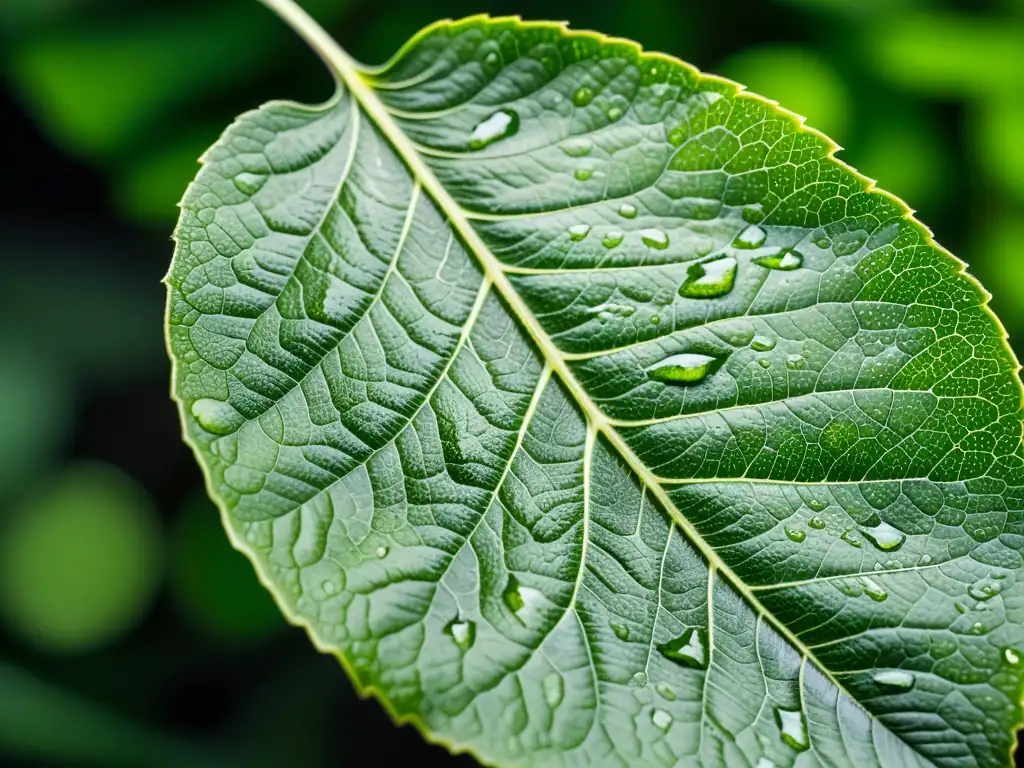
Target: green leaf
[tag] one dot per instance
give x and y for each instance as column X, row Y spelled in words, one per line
column 591, row 412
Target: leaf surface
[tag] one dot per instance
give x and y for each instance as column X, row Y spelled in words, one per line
column 592, row 412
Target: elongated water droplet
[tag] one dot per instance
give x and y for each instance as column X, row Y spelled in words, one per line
column 873, row 589
column 709, row 278
column 786, row 259
column 763, row 343
column 823, row 242
column 751, row 237
column 654, row 238
column 687, row 368
column 885, row 537
column 500, row 125
column 792, row 728
column 382, row 552
column 582, row 174
column 795, row 534
column 662, row 720
column 753, row 214
column 795, row 362
column 895, row 678
column 851, row 538
column 250, row 183
column 463, row 633
column 688, row 649
column 614, row 113
column 818, row 505
column 612, row 239
column 984, row 589
column 816, row 522
column 621, row 630
column 578, row 231
column 1011, row 656
column 665, row 691
column 582, row 96
column 639, row 680
column 627, row 211
column 577, row 147
column 764, row 362
column 215, row 416
column 554, row 689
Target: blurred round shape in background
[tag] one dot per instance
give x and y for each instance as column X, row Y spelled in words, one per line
column 799, row 79
column 998, row 136
column 79, row 560
column 214, row 585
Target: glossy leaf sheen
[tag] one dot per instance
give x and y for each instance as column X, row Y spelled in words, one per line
column 432, row 352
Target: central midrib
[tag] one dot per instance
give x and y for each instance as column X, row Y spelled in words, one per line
column 346, row 68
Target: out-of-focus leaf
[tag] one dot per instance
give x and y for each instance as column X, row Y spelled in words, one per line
column 998, row 138
column 80, row 560
column 213, row 583
column 800, row 79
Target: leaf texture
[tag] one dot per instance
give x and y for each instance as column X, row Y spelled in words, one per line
column 593, row 413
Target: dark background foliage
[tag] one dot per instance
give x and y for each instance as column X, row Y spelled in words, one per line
column 130, row 631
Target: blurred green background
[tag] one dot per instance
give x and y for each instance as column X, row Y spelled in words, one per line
column 130, row 632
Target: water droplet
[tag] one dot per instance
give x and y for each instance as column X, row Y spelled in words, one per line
column 654, row 238
column 329, row 587
column 977, row 628
column 823, row 242
column 751, row 237
column 614, row 113
column 818, row 505
column 382, row 552
column 582, row 174
column 578, row 231
column 215, row 416
column 250, row 183
column 665, row 691
column 639, row 680
column 710, row 278
column 753, row 214
column 984, row 589
column 763, row 343
column 792, row 727
column 795, row 534
column 795, row 362
column 554, row 689
column 1011, row 656
column 582, row 96
column 885, row 537
column 895, row 678
column 873, row 589
column 687, row 368
column 764, row 362
column 627, row 211
column 786, row 259
column 463, row 633
column 491, row 59
column 655, row 319
column 851, row 538
column 577, row 147
column 925, row 559
column 686, row 649
column 816, row 523
column 764, row 762
column 500, row 125
column 676, row 137
column 612, row 239
column 662, row 720
column 621, row 630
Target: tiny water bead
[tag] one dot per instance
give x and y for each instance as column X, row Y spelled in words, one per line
column 709, row 279
column 792, row 728
column 577, row 147
column 654, row 238
column 665, row 691
column 873, row 589
column 554, row 689
column 851, row 538
column 491, row 59
column 582, row 97
column 639, row 680
column 500, row 125
column 885, row 537
column 612, row 239
column 687, row 368
column 381, row 552
column 578, row 232
column 795, row 534
column 463, row 633
column 583, row 174
column 895, row 678
column 614, row 113
column 785, row 260
column 763, row 343
column 687, row 649
column 627, row 211
column 985, row 589
column 751, row 237
column 215, row 416
column 764, row 362
column 662, row 720
column 249, row 183
column 1011, row 656
column 753, row 214
column 816, row 522
column 926, row 559
column 621, row 630
column 795, row 362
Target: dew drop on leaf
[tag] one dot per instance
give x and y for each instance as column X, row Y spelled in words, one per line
column 655, row 319
column 614, row 113
column 500, row 125
column 873, row 589
column 577, row 147
column 816, row 522
column 491, row 59
column 687, row 649
column 583, row 174
column 382, row 552
column 627, row 211
column 851, row 538
column 785, row 260
column 250, row 183
column 751, row 237
column 665, row 691
column 639, row 680
column 1011, row 656
column 687, row 368
column 621, row 630
column 764, row 762
column 463, row 633
column 984, row 589
column 795, row 362
column 582, row 97
column 792, row 728
column 764, row 362
column 753, row 214
column 795, row 534
column 215, row 416
column 885, row 537
column 612, row 239
column 926, row 559
column 662, row 720
column 709, row 279
column 654, row 238
column 823, row 242
column 817, row 505
column 895, row 678
column 763, row 343
column 554, row 689
column 578, row 231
